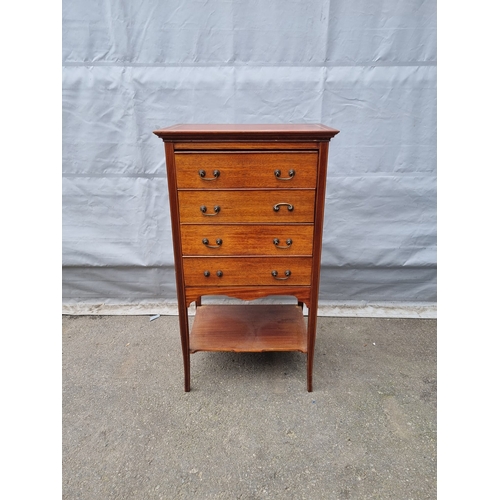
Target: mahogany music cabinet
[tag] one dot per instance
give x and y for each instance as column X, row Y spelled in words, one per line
column 247, row 203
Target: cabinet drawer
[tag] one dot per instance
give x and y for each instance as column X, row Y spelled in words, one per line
column 249, row 239
column 247, row 271
column 246, row 170
column 213, row 207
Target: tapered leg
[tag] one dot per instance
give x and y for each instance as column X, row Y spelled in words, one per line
column 311, row 340
column 184, row 328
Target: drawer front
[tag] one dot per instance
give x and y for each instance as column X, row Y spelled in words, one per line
column 228, row 239
column 246, row 170
column 213, row 207
column 247, row 271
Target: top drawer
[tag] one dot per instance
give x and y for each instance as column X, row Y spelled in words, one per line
column 221, row 170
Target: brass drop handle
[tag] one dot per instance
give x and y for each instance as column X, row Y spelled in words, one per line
column 218, row 242
column 291, row 173
column 203, row 174
column 276, row 207
column 276, row 242
column 203, row 209
column 287, row 274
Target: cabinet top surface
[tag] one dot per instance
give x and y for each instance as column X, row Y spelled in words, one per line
column 313, row 131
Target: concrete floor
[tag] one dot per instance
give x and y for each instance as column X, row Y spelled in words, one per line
column 249, row 429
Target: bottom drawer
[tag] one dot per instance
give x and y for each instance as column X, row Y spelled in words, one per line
column 199, row 271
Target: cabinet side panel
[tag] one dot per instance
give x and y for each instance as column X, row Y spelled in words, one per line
column 316, row 264
column 179, row 274
column 319, row 213
column 174, row 215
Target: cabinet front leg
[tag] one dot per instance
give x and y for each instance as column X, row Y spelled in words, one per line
column 311, row 340
column 184, row 329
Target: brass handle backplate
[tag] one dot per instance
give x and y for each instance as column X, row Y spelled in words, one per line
column 276, row 207
column 218, row 242
column 291, row 173
column 287, row 274
column 203, row 174
column 203, row 210
column 276, row 242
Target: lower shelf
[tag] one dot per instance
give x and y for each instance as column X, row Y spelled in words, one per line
column 248, row 328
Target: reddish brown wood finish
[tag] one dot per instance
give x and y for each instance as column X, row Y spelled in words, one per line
column 247, row 239
column 179, row 276
column 250, row 271
column 246, row 169
column 317, row 245
column 246, row 198
column 246, row 146
column 193, row 293
column 240, row 328
column 271, row 132
column 236, row 206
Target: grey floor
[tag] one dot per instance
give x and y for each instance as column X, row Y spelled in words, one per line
column 249, row 429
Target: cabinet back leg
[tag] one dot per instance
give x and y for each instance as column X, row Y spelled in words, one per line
column 187, row 381
column 184, row 329
column 309, row 371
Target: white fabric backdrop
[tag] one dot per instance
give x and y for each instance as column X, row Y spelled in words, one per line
column 367, row 68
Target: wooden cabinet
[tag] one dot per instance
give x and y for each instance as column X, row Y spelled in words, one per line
column 247, row 203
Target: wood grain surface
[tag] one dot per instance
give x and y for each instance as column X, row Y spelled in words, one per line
column 245, row 145
column 247, row 293
column 240, row 328
column 246, row 170
column 246, row 206
column 225, row 221
column 249, row 239
column 242, row 132
column 248, row 271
